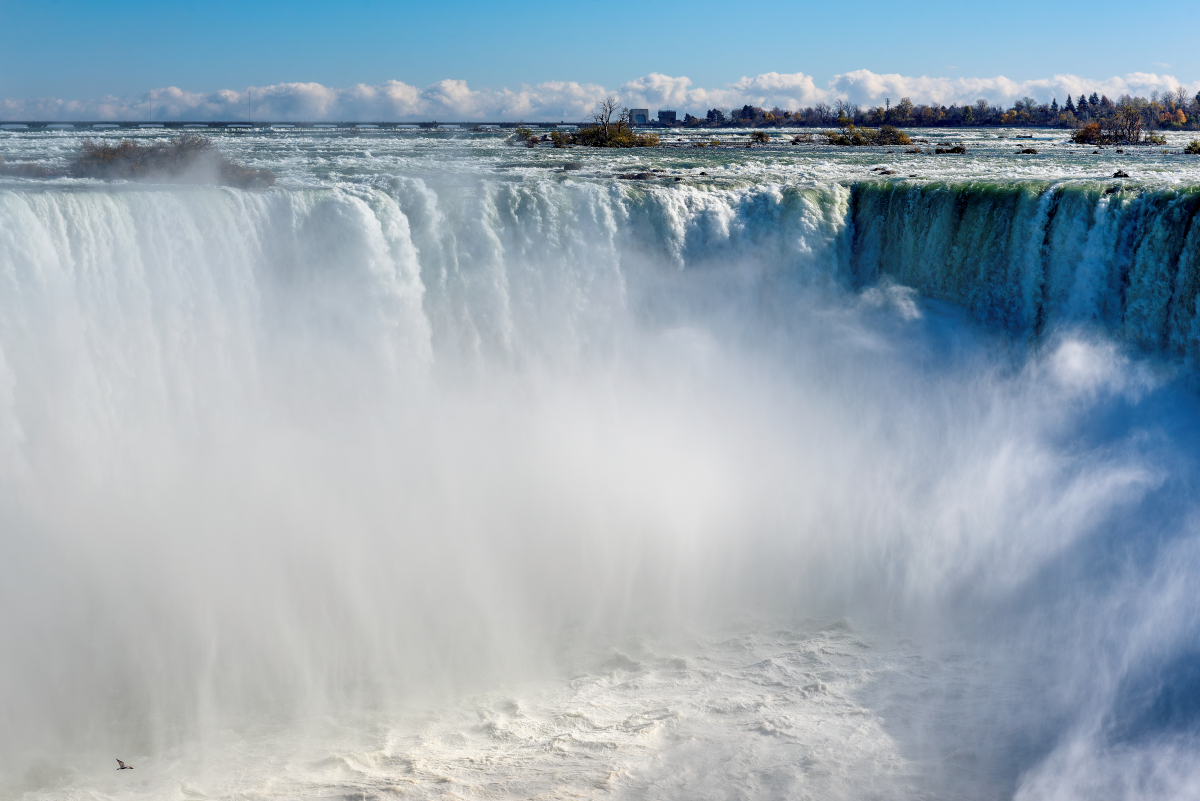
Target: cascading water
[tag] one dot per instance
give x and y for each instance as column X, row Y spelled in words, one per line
column 431, row 474
column 1027, row 256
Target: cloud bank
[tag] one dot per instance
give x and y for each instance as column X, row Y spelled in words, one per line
column 455, row 100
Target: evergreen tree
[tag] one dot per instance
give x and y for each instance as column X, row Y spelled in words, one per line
column 1070, row 105
column 1094, row 100
column 1054, row 107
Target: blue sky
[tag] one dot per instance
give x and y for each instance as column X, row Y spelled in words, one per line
column 78, row 50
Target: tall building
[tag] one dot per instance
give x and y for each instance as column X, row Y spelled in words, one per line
column 666, row 117
column 639, row 116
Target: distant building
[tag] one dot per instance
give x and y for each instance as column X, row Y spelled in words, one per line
column 639, row 116
column 666, row 117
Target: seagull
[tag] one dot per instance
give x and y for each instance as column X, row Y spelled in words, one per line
column 124, row 766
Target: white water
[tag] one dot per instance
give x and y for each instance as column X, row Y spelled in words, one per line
column 430, row 477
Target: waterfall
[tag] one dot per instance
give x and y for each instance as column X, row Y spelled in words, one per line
column 303, row 458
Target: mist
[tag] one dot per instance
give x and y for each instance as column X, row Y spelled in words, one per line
column 276, row 458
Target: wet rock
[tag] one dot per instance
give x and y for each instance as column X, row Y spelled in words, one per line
column 1120, row 174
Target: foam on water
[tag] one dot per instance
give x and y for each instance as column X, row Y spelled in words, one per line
column 437, row 473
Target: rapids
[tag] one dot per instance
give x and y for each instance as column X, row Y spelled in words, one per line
column 438, row 471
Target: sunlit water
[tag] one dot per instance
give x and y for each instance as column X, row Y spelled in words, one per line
column 439, row 471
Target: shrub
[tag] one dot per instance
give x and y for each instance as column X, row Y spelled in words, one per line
column 761, row 137
column 188, row 157
column 559, row 139
column 27, row 169
column 849, row 136
column 1193, row 147
column 616, row 136
column 891, row 135
column 952, row 149
column 853, row 136
column 522, row 134
column 1088, row 134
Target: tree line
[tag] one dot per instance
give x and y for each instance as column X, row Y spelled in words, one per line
column 1174, row 110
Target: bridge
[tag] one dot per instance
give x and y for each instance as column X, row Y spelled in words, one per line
column 232, row 125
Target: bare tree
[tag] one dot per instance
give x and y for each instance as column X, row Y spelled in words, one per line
column 1180, row 95
column 603, row 117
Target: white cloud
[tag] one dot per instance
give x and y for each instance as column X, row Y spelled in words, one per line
column 453, row 99
column 869, row 88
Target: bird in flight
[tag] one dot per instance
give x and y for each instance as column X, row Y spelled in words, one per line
column 124, row 766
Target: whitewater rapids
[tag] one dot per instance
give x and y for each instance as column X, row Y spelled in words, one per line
column 438, row 471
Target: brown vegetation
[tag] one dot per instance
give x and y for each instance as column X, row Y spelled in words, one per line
column 1193, row 148
column 852, row 136
column 606, row 131
column 1123, row 126
column 1089, row 134
column 188, row 158
column 26, row 169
